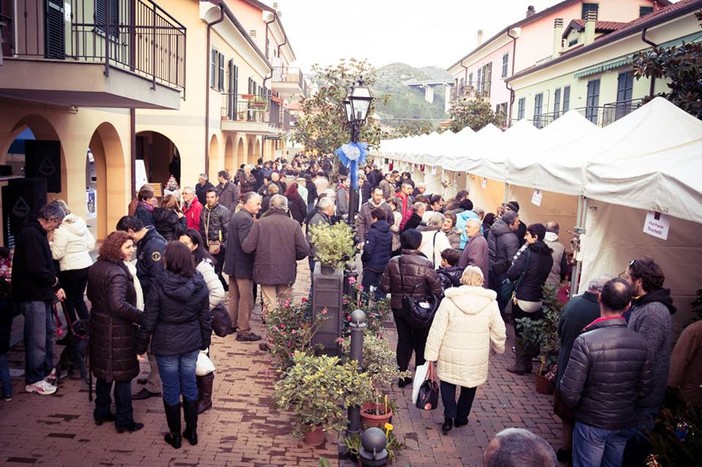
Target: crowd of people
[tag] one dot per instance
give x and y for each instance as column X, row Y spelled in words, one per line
column 204, row 243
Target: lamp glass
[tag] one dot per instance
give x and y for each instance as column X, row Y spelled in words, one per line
column 348, row 109
column 360, row 102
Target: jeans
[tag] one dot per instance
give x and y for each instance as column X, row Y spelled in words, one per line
column 465, row 401
column 409, row 339
column 123, row 401
column 178, row 376
column 372, row 278
column 39, row 330
column 73, row 283
column 599, row 446
column 5, row 380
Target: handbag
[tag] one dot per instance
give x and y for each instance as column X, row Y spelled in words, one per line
column 221, row 322
column 213, row 246
column 508, row 289
column 428, row 397
column 419, row 313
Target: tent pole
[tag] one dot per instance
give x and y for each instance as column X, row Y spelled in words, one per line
column 580, row 230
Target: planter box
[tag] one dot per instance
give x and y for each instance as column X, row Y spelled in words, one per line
column 327, row 292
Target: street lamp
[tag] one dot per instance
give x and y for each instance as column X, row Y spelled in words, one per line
column 356, row 106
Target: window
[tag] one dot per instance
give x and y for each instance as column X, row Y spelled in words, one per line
column 487, row 79
column 479, row 81
column 593, row 100
column 589, row 7
column 232, row 90
column 566, row 99
column 625, row 86
column 644, row 10
column 470, row 80
column 107, row 10
column 220, row 72
column 538, row 109
column 505, row 65
column 521, row 104
column 213, row 69
column 556, row 103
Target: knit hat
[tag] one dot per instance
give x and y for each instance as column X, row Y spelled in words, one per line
column 513, row 205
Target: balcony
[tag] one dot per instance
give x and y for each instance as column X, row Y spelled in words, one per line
column 600, row 115
column 254, row 113
column 288, row 81
column 92, row 53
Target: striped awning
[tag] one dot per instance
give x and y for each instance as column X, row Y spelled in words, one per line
column 602, row 67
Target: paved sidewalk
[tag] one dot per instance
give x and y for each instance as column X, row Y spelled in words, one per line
column 244, row 429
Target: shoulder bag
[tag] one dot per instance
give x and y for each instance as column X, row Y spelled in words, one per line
column 221, row 322
column 418, row 312
column 509, row 288
column 213, row 246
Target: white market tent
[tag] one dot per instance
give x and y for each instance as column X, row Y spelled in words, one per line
column 646, row 161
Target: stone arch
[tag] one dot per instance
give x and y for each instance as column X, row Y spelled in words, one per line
column 229, row 157
column 42, row 129
column 214, row 157
column 241, row 151
column 158, row 151
column 257, row 149
column 112, row 191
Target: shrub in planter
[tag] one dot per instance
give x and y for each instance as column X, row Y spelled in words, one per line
column 333, row 244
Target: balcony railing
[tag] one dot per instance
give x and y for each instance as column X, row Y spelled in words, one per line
column 600, row 115
column 284, row 74
column 255, row 108
column 133, row 35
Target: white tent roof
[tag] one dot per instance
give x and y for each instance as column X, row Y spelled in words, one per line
column 651, row 160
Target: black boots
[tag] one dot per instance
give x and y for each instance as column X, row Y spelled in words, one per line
column 173, row 419
column 204, row 389
column 190, row 415
column 448, row 424
column 522, row 359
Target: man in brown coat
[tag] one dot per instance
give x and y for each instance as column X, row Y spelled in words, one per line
column 476, row 252
column 278, row 243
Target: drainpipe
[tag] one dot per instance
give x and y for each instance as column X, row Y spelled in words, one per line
column 270, row 74
column 514, row 52
column 132, row 156
column 207, row 87
column 465, row 73
column 654, row 45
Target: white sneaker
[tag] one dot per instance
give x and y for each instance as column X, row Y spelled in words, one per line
column 42, row 388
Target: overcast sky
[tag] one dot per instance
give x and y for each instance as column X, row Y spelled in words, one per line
column 435, row 33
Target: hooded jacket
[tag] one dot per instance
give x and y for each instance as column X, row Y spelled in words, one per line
column 462, row 219
column 377, row 248
column 71, row 244
column 503, row 244
column 467, row 324
column 176, row 316
column 536, row 264
column 651, row 316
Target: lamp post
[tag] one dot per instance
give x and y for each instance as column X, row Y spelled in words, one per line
column 356, row 105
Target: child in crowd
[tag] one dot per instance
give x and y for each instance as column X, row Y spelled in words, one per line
column 449, row 272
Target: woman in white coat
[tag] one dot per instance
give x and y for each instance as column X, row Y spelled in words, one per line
column 467, row 324
column 71, row 244
column 434, row 240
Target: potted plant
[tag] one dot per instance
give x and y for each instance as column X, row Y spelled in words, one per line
column 333, row 245
column 318, row 389
column 542, row 336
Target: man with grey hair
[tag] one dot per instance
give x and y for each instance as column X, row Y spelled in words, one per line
column 278, row 244
column 192, row 209
column 202, row 186
column 35, row 286
column 415, row 220
column 518, row 447
column 476, row 251
column 323, row 216
column 580, row 311
column 559, row 270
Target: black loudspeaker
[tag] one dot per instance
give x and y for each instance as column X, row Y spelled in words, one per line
column 43, row 160
column 21, row 199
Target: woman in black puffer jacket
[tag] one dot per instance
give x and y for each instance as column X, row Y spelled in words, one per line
column 177, row 318
column 529, row 272
column 113, row 330
column 420, row 279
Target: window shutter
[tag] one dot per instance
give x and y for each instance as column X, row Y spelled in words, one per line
column 54, row 35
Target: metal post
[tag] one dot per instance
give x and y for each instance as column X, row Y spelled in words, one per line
column 358, row 328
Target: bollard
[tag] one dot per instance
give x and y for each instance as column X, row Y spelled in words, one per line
column 358, row 327
column 373, row 443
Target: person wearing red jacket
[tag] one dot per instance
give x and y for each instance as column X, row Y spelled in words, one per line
column 192, row 208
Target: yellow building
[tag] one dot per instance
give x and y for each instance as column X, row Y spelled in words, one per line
column 125, row 85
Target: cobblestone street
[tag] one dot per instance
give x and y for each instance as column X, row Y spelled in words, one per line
column 243, row 428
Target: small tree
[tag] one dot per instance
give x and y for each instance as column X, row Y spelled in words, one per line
column 681, row 66
column 473, row 111
column 323, row 126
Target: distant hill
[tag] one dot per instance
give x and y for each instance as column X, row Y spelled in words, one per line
column 406, row 109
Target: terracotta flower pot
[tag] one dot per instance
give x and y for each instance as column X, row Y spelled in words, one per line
column 314, row 437
column 543, row 385
column 372, row 415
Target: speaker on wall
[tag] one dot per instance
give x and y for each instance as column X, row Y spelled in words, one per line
column 21, row 199
column 42, row 159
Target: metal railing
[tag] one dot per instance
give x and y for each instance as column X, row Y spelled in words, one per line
column 284, row 74
column 256, row 108
column 601, row 115
column 133, row 35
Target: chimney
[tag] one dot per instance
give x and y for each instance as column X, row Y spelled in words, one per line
column 530, row 11
column 557, row 37
column 480, row 38
column 590, row 21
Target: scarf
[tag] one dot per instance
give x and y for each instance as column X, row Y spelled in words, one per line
column 137, row 285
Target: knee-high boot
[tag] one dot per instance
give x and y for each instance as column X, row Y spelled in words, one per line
column 190, row 415
column 204, row 387
column 522, row 361
column 173, row 418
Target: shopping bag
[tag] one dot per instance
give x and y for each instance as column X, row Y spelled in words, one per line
column 204, row 365
column 428, row 397
column 420, row 374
